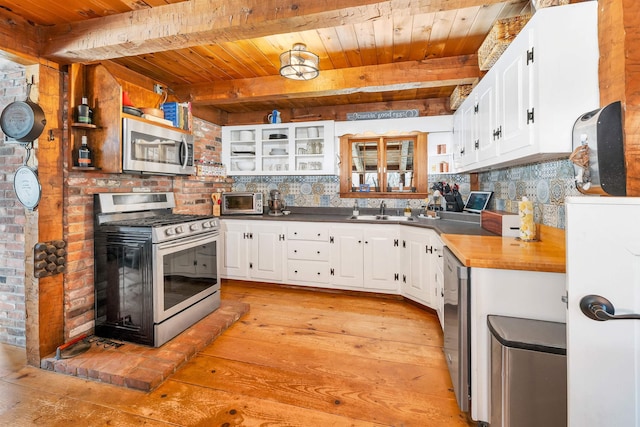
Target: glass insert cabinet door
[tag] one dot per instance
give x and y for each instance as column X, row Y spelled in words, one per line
column 384, row 165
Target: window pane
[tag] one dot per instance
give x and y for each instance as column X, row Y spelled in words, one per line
column 399, row 164
column 364, row 166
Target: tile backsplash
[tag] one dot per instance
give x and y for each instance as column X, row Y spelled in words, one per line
column 546, row 184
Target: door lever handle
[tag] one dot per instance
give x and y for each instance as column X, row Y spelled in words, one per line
column 599, row 308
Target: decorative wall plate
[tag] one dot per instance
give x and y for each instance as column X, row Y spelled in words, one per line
column 27, row 187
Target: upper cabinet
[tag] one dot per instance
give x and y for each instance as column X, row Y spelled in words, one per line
column 383, row 165
column 524, row 108
column 279, row 149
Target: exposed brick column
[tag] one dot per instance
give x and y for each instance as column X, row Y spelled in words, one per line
column 12, row 221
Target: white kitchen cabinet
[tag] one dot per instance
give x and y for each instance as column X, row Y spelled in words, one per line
column 347, row 255
column 422, row 279
column 364, row 257
column 253, row 250
column 279, row 149
column 466, row 131
column 478, row 118
column 415, row 265
column 545, row 79
column 437, row 274
column 308, row 252
column 381, row 251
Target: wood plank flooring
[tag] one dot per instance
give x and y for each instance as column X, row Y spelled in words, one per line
column 299, row 358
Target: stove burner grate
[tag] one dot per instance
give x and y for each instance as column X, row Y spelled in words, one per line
column 157, row 221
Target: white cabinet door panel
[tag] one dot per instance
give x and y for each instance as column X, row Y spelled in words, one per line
column 347, row 255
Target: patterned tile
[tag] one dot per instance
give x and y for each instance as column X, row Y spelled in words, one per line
column 546, row 183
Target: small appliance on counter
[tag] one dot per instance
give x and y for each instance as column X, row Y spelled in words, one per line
column 276, row 203
column 598, row 152
column 241, row 203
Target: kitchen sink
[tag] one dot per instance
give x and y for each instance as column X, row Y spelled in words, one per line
column 381, row 217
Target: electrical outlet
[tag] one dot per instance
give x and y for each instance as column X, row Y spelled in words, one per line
column 158, row 89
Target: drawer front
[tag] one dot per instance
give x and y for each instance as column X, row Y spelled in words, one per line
column 318, row 234
column 308, row 271
column 312, row 251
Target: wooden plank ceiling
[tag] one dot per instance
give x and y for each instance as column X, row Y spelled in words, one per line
column 224, row 55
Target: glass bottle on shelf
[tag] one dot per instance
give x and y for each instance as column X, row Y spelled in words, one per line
column 85, row 159
column 84, row 112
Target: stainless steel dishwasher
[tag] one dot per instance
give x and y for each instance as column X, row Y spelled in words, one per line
column 456, row 327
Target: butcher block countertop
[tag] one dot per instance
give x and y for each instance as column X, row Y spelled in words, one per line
column 547, row 254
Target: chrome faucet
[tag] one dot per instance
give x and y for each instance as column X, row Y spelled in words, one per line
column 382, row 207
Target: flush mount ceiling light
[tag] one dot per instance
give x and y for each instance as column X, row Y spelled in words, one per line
column 299, row 64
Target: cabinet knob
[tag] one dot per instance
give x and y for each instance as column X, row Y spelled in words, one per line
column 318, row 252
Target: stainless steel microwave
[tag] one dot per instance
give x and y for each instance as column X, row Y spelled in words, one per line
column 241, row 203
column 152, row 149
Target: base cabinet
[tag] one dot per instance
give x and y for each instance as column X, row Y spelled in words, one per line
column 308, row 254
column 364, row 257
column 437, row 273
column 415, row 266
column 347, row 256
column 253, row 250
column 422, row 265
column 382, row 258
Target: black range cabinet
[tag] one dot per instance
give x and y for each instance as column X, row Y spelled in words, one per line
column 124, row 285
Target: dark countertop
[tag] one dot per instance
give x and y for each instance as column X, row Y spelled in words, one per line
column 450, row 222
column 461, row 232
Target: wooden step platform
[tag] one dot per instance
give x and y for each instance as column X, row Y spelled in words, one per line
column 145, row 368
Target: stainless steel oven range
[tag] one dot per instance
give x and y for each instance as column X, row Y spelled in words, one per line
column 156, row 272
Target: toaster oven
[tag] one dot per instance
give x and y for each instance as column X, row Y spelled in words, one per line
column 241, row 203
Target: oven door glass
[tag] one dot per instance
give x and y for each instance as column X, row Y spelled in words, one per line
column 187, row 271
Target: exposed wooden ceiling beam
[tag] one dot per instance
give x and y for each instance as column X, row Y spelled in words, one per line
column 17, row 37
column 200, row 22
column 379, row 78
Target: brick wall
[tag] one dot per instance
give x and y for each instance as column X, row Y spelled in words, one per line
column 12, row 221
column 193, row 195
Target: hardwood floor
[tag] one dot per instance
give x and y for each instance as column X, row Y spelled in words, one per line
column 298, row 358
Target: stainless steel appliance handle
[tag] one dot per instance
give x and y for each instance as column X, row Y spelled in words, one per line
column 190, row 240
column 184, row 149
column 599, row 308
